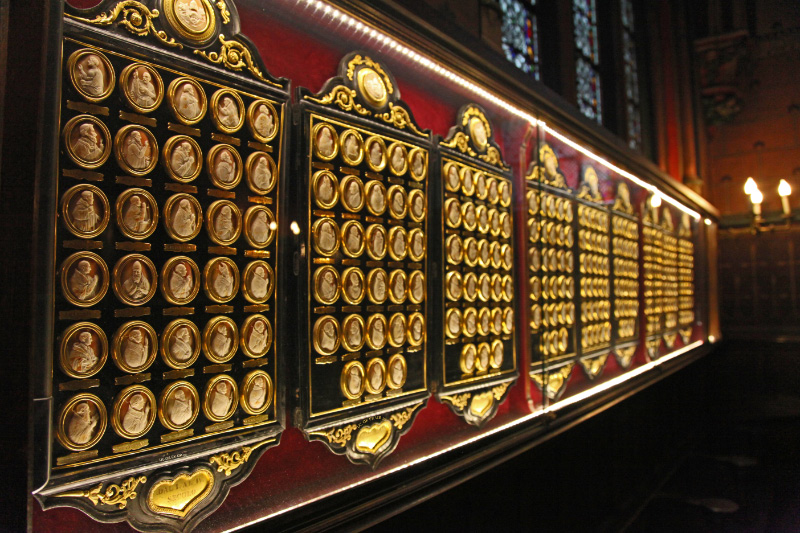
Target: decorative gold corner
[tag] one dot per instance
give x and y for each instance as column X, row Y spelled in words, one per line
column 556, row 380
column 112, row 495
column 594, row 366
column 461, row 141
column 338, row 436
column 499, row 390
column 625, row 355
column 342, row 96
column 493, row 157
column 228, row 462
column 459, row 401
column 223, row 11
column 367, row 62
column 669, row 339
column 233, row 55
column 401, row 419
column 399, row 118
column 136, row 18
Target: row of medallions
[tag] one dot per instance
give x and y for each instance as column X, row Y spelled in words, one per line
column 85, row 280
column 373, row 377
column 484, row 287
column 83, row 420
column 481, row 322
column 354, row 195
column 473, row 182
column 353, row 240
column 377, row 286
column 595, row 289
column 86, row 212
column 84, row 346
column 142, row 89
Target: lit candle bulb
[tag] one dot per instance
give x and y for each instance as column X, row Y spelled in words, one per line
column 756, row 197
column 750, row 186
column 655, row 200
column 784, row 190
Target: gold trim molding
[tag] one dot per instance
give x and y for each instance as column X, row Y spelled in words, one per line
column 136, row 18
column 228, row 462
column 112, row 495
column 233, row 55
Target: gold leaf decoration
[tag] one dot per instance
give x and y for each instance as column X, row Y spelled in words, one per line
column 338, row 436
column 499, row 390
column 459, row 401
column 228, row 462
column 401, row 419
column 554, row 381
column 399, row 118
column 669, row 339
column 460, row 141
column 493, row 157
column 136, row 18
column 594, row 365
column 342, row 96
column 233, row 55
column 112, row 495
column 471, row 112
column 625, row 355
column 686, row 335
column 223, row 11
column 367, row 62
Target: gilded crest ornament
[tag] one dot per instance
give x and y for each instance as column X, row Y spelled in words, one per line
column 135, row 17
column 235, row 56
column 112, row 495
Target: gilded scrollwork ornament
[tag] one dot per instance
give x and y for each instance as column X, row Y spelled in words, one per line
column 344, row 97
column 233, row 55
column 111, row 495
column 227, row 462
column 134, row 17
column 553, row 383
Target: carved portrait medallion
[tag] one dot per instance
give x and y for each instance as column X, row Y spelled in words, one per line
column 180, row 343
column 255, row 336
column 142, row 87
column 136, row 213
column 258, row 282
column 221, row 398
column 136, row 149
column 91, row 74
column 87, row 141
column 263, row 121
column 134, row 412
column 220, row 339
column 134, row 346
column 183, row 217
column 227, row 110
column 82, row 422
column 83, row 350
column 180, row 280
column 135, row 279
column 187, row 100
column 179, row 405
column 221, row 279
column 85, row 210
column 259, row 226
column 223, row 222
column 262, row 173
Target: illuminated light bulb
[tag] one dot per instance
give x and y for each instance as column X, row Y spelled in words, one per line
column 756, row 198
column 273, row 226
column 784, row 190
column 655, row 200
column 707, row 221
column 294, row 227
column 750, row 186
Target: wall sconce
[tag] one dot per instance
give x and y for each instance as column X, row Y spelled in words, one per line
column 757, row 198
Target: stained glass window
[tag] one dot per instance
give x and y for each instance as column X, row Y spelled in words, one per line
column 634, row 117
column 520, row 35
column 588, row 61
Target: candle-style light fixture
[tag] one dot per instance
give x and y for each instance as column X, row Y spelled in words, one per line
column 756, row 198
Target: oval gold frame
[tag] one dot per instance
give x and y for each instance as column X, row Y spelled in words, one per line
column 251, row 112
column 123, row 87
column 353, row 162
column 481, row 188
column 61, row 433
column 393, row 276
column 166, row 337
column 410, row 199
column 343, row 198
column 125, row 394
column 166, row 157
column 370, row 293
column 119, row 139
column 463, row 359
column 343, row 279
column 504, row 191
column 315, row 229
column 271, row 226
column 248, row 170
column 410, row 247
column 164, row 397
column 506, row 233
column 368, row 187
column 344, row 377
column 484, row 322
column 244, row 390
column 315, row 282
column 317, row 175
column 465, row 207
column 208, row 331
column 470, row 297
column 390, row 155
column 118, row 284
column 410, row 324
column 367, row 148
column 342, row 333
column 67, row 335
column 411, row 154
column 391, row 383
column 494, row 222
column 67, row 197
column 202, row 100
column 497, row 321
column 72, row 63
column 390, row 337
column 482, row 217
column 448, row 246
column 334, row 141
column 370, row 233
column 508, row 312
column 248, row 271
column 116, row 346
column 211, row 215
column 453, row 311
column 467, row 176
column 479, row 365
column 452, row 187
column 243, row 330
column 370, row 321
column 448, row 208
column 469, row 244
column 411, row 298
column 345, row 227
column 497, row 287
column 491, row 190
column 210, row 385
column 120, row 214
column 376, row 361
column 207, row 285
column 390, row 239
column 378, row 102
column 237, row 160
column 316, row 332
column 484, row 254
column 448, row 283
column 496, row 255
column 484, row 281
column 171, row 263
column 215, row 98
column 104, row 133
column 170, row 203
column 195, row 36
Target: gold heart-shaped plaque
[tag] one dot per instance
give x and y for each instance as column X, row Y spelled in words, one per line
column 481, row 403
column 371, row 438
column 177, row 497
